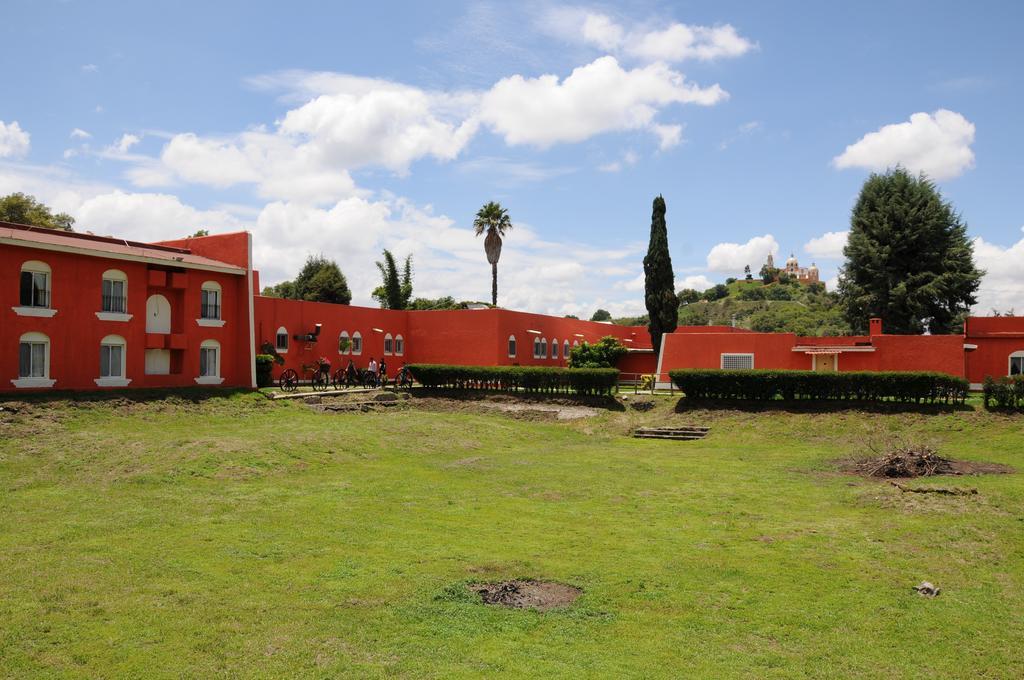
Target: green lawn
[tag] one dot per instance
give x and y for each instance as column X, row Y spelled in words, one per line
column 240, row 537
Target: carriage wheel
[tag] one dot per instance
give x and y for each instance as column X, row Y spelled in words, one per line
column 289, row 380
column 320, row 381
column 338, row 380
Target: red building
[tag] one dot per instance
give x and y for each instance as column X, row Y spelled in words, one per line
column 83, row 312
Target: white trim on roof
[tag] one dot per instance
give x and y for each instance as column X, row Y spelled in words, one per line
column 90, row 252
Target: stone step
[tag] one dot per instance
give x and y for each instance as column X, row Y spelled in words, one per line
column 673, row 437
column 682, row 433
column 675, row 430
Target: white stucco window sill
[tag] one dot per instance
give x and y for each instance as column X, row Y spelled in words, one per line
column 113, row 316
column 210, row 323
column 44, row 312
column 209, row 380
column 33, row 382
column 281, row 351
column 113, row 382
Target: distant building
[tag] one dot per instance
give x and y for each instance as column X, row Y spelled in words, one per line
column 804, row 275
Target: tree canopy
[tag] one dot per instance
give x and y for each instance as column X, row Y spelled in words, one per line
column 319, row 280
column 604, row 353
column 659, row 281
column 908, row 258
column 601, row 315
column 24, row 209
column 395, row 290
column 494, row 221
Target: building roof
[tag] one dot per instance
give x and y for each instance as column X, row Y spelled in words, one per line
column 101, row 246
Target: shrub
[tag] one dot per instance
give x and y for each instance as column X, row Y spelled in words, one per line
column 764, row 385
column 264, row 365
column 1005, row 393
column 604, row 353
column 531, row 379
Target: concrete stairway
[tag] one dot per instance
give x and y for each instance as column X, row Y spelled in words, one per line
column 684, row 433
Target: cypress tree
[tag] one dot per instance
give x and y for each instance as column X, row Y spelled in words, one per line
column 908, row 258
column 659, row 281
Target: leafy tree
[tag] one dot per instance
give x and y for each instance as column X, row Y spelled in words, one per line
column 320, row 280
column 747, row 276
column 571, row 316
column 753, row 293
column 908, row 258
column 24, row 209
column 731, row 280
column 768, row 274
column 285, row 289
column 201, row 232
column 395, row 291
column 688, row 296
column 601, row 315
column 604, row 353
column 641, row 320
column 716, row 292
column 776, row 292
column 659, row 281
column 494, row 220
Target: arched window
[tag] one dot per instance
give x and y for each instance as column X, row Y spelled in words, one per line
column 112, row 362
column 536, row 348
column 344, row 343
column 210, row 301
column 115, row 292
column 511, row 346
column 33, row 361
column 34, row 287
column 281, row 341
column 554, row 348
column 389, row 344
column 209, row 363
column 565, row 349
column 399, row 345
column 1017, row 363
column 575, row 343
column 357, row 343
column 543, row 348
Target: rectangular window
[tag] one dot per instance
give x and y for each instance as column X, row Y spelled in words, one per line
column 208, row 362
column 1016, row 365
column 210, row 305
column 387, row 345
column 282, row 341
column 32, row 360
column 110, row 361
column 736, row 362
column 33, row 289
column 113, row 296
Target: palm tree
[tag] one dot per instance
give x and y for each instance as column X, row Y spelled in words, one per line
column 493, row 219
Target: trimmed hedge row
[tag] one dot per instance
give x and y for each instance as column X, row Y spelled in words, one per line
column 764, row 385
column 1006, row 392
column 536, row 379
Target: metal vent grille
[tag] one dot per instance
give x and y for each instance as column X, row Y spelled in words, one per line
column 738, row 361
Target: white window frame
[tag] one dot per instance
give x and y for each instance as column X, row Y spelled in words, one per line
column 737, row 355
column 1019, row 354
column 36, row 267
column 277, row 340
column 113, row 276
column 389, row 345
column 399, row 346
column 29, row 382
column 554, row 348
column 205, row 290
column 543, row 348
column 536, row 347
column 344, row 336
column 565, row 349
column 512, row 347
column 214, row 378
column 357, row 343
column 122, row 379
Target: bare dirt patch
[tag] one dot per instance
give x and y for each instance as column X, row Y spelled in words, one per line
column 526, row 594
column 910, row 462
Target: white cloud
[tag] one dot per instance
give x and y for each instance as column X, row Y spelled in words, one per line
column 938, row 144
column 630, row 157
column 126, row 142
column 147, row 217
column 90, row 68
column 594, row 99
column 79, row 133
column 14, row 142
column 673, row 43
column 697, row 282
column 668, row 135
column 613, row 166
column 827, row 246
column 733, row 257
column 1002, row 288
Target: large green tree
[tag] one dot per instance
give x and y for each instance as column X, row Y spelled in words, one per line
column 493, row 220
column 908, row 258
column 659, row 281
column 24, row 209
column 319, row 280
column 395, row 290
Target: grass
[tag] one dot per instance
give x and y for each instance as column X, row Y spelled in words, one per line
column 240, row 537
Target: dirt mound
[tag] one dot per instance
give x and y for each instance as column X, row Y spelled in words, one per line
column 528, row 594
column 906, row 463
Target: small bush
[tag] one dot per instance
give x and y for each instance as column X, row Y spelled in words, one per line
column 604, row 353
column 764, row 385
column 264, row 365
column 531, row 379
column 1005, row 393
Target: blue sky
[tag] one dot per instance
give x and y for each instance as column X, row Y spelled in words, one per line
column 347, row 128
